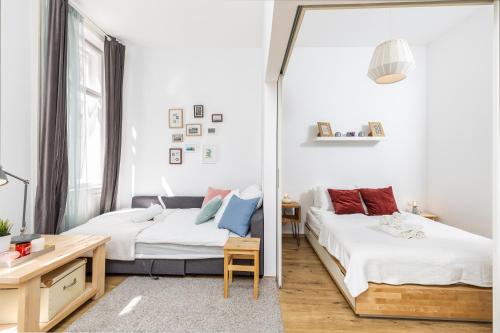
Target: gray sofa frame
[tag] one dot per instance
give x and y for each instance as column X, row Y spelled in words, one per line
column 212, row 266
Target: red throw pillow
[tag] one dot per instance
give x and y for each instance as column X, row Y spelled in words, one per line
column 379, row 201
column 346, row 201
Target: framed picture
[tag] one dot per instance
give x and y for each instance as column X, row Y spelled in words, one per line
column 175, row 156
column 211, row 131
column 209, row 154
column 376, row 129
column 324, row 129
column 175, row 118
column 193, row 129
column 217, row 118
column 177, row 138
column 190, row 148
column 198, row 111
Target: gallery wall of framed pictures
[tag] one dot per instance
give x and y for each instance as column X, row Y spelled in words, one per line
column 186, row 132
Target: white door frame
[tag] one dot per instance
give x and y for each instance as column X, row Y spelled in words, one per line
column 279, row 227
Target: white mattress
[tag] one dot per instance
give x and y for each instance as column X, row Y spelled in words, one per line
column 176, row 251
column 313, row 222
column 446, row 255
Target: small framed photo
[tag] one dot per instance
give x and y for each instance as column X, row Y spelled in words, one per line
column 190, row 148
column 175, row 156
column 217, row 118
column 175, row 118
column 209, row 154
column 376, row 129
column 211, row 131
column 177, row 138
column 198, row 111
column 324, row 129
column 193, row 129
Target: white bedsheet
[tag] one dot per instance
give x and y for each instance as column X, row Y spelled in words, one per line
column 446, row 256
column 120, row 227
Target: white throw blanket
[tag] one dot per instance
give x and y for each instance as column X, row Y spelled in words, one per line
column 397, row 225
column 120, row 226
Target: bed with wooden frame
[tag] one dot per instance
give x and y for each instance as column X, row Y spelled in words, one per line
column 453, row 302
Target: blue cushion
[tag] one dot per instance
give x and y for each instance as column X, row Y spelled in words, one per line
column 236, row 217
column 209, row 210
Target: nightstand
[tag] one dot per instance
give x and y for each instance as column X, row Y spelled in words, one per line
column 293, row 219
column 430, row 216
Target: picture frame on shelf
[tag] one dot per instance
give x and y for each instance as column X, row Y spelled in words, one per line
column 217, row 118
column 376, row 129
column 193, row 129
column 177, row 138
column 324, row 129
column 175, row 156
column 175, row 118
column 209, row 154
column 198, row 111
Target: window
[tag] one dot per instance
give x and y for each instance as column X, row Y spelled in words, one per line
column 92, row 117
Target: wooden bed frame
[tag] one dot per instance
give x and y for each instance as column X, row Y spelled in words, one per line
column 454, row 302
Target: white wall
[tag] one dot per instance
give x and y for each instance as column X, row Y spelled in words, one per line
column 225, row 81
column 330, row 84
column 18, row 102
column 460, row 116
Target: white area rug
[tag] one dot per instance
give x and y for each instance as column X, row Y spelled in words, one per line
column 184, row 304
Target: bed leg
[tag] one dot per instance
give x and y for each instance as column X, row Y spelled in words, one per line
column 154, row 277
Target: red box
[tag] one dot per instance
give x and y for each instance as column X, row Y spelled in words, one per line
column 23, row 248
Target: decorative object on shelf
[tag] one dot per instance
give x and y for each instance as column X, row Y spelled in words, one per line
column 376, row 129
column 175, row 156
column 209, row 154
column 217, row 118
column 37, row 244
column 211, row 131
column 175, row 118
column 190, row 148
column 5, row 236
column 286, row 199
column 177, row 138
column 391, row 62
column 361, row 134
column 350, row 134
column 23, row 237
column 338, row 134
column 193, row 129
column 198, row 111
column 324, row 129
column 24, row 249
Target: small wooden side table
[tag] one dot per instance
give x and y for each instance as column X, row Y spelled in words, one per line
column 430, row 216
column 241, row 248
column 293, row 219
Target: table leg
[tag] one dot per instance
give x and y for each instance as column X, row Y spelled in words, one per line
column 226, row 277
column 99, row 270
column 28, row 311
column 256, row 274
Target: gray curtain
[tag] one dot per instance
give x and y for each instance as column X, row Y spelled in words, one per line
column 52, row 186
column 114, row 61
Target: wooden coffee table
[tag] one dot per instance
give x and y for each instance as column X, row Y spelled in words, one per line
column 26, row 277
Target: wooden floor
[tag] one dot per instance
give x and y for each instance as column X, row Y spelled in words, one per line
column 310, row 302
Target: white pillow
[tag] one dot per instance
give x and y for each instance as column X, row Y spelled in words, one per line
column 252, row 192
column 147, row 214
column 223, row 207
column 161, row 217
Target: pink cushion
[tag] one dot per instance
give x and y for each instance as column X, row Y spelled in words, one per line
column 212, row 193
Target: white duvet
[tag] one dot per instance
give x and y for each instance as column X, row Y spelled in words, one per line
column 177, row 226
column 446, row 255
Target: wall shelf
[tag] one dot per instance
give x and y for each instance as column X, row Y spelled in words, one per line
column 349, row 138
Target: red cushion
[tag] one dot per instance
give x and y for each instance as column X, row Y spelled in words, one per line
column 379, row 201
column 212, row 193
column 346, row 201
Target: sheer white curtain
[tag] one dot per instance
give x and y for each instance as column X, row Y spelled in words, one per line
column 84, row 129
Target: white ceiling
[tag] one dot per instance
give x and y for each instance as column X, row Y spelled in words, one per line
column 368, row 27
column 179, row 23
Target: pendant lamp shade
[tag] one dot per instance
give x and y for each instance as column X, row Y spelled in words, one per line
column 391, row 62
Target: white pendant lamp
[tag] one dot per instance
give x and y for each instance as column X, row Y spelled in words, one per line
column 391, row 62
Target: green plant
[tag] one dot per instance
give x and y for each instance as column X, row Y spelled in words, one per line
column 5, row 227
